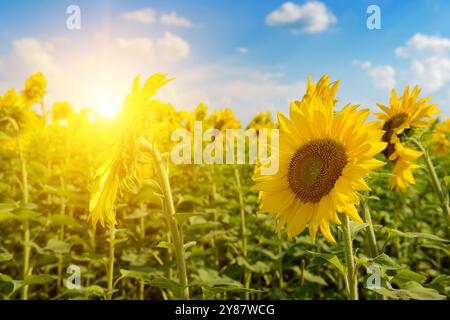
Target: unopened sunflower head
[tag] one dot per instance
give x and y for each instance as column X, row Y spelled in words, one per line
column 403, row 114
column 324, row 158
column 118, row 163
column 35, row 89
column 441, row 138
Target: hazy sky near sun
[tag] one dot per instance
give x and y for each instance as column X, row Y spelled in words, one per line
column 250, row 55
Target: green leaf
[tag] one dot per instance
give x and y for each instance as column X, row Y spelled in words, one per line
column 212, row 278
column 166, row 245
column 356, row 227
column 447, row 182
column 137, row 214
column 63, row 220
column 58, row 246
column 26, row 214
column 314, row 278
column 7, row 207
column 189, row 244
column 404, row 276
column 393, row 233
column 6, row 216
column 134, row 274
column 386, row 262
column 90, row 291
column 411, row 290
column 182, row 217
column 331, row 258
column 258, row 267
column 5, row 257
column 37, row 279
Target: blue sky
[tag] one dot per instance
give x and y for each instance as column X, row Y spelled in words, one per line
column 252, row 56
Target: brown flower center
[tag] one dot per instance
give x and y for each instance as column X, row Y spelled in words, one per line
column 315, row 168
column 390, row 126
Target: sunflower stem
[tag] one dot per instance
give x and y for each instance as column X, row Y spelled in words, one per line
column 175, row 229
column 373, row 247
column 437, row 185
column 352, row 283
column 26, row 222
column 112, row 238
column 247, row 275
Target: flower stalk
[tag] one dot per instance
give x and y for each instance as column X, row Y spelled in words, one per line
column 373, row 247
column 175, row 229
column 351, row 279
column 110, row 272
column 439, row 189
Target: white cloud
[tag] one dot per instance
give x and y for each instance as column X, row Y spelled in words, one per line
column 430, row 60
column 242, row 50
column 383, row 76
column 172, row 47
column 28, row 56
column 140, row 46
column 168, row 48
column 146, row 16
column 172, row 19
column 311, row 17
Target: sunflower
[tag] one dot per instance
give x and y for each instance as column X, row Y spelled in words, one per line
column 403, row 114
column 61, row 111
column 441, row 137
column 223, row 119
column 118, row 163
column 35, row 89
column 262, row 120
column 323, row 159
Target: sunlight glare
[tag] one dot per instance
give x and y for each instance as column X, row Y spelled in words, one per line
column 107, row 107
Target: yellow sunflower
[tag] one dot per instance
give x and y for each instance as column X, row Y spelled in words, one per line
column 61, row 111
column 223, row 119
column 323, row 159
column 118, row 163
column 35, row 89
column 262, row 120
column 404, row 113
column 441, row 138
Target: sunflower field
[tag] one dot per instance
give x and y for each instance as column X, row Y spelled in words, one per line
column 358, row 207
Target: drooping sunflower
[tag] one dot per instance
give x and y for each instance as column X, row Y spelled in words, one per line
column 323, row 159
column 441, row 138
column 403, row 114
column 118, row 163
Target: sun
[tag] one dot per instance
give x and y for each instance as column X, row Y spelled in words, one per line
column 106, row 106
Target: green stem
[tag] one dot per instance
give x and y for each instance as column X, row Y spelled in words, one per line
column 61, row 236
column 26, row 222
column 175, row 230
column 439, row 189
column 242, row 212
column 247, row 274
column 352, row 283
column 112, row 237
column 373, row 247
